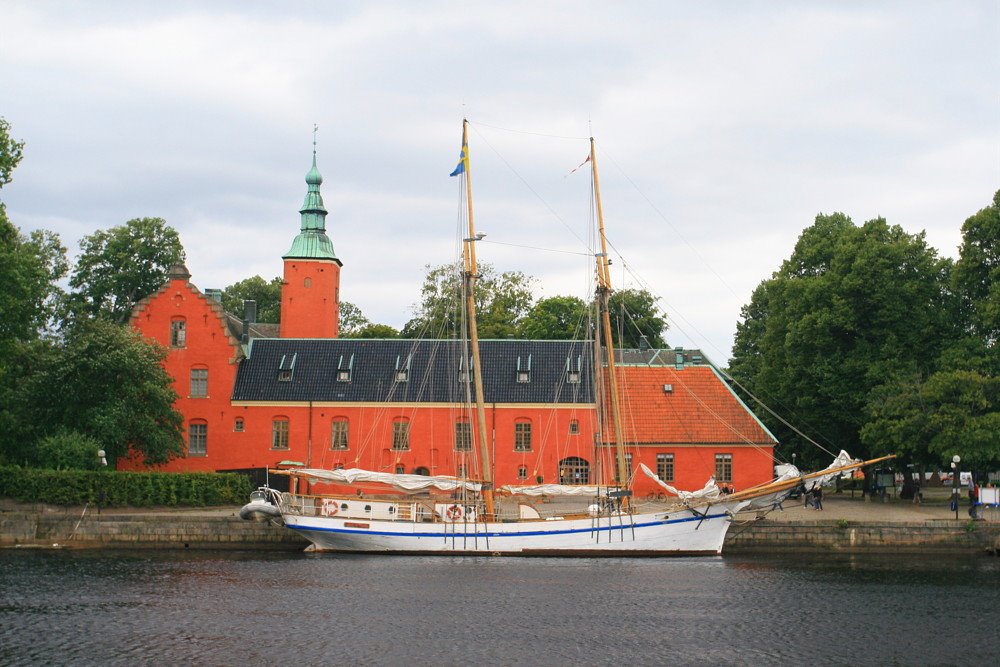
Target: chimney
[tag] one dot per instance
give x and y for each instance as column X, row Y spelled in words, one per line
column 249, row 317
column 643, row 342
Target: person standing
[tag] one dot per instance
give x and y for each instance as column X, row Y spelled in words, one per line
column 818, row 497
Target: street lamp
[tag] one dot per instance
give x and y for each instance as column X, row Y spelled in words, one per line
column 955, row 474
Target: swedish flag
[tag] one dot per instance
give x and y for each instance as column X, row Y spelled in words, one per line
column 463, row 160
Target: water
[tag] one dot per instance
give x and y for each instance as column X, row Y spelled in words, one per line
column 214, row 608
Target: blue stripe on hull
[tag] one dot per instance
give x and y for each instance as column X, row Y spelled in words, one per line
column 466, row 535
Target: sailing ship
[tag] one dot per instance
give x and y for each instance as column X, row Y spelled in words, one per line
column 439, row 514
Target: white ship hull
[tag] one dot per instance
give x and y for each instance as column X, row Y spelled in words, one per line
column 681, row 532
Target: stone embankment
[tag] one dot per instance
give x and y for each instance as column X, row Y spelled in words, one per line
column 222, row 528
column 845, row 525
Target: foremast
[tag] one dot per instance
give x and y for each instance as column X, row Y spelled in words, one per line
column 469, row 275
column 603, row 297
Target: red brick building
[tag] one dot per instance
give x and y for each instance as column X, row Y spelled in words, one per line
column 253, row 395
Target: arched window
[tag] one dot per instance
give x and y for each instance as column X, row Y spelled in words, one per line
column 522, row 472
column 197, row 437
column 238, row 424
column 178, row 332
column 279, row 433
column 307, row 283
column 401, row 434
column 339, row 433
column 400, row 469
column 522, row 435
column 574, row 470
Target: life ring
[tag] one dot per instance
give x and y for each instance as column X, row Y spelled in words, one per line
column 330, row 506
column 454, row 513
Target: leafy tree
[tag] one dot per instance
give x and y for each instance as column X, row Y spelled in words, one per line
column 928, row 422
column 68, row 451
column 634, row 314
column 266, row 294
column 103, row 381
column 977, row 273
column 851, row 309
column 372, row 330
column 956, row 408
column 502, row 302
column 352, row 319
column 119, row 266
column 11, row 152
column 30, row 267
column 555, row 318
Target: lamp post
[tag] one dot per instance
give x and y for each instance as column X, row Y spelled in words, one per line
column 955, row 474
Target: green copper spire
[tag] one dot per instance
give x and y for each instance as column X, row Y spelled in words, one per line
column 312, row 241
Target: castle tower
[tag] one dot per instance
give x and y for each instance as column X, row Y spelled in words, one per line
column 310, row 296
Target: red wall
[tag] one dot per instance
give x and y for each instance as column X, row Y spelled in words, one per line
column 310, row 299
column 208, row 345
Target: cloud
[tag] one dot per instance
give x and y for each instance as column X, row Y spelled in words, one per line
column 722, row 130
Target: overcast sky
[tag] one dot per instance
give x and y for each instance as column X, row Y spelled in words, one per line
column 722, row 129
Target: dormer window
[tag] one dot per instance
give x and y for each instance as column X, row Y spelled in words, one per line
column 345, row 366
column 403, row 368
column 524, row 370
column 464, row 366
column 286, row 367
column 573, row 370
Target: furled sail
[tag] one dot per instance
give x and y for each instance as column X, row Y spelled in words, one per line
column 710, row 491
column 408, row 483
column 552, row 490
column 843, row 460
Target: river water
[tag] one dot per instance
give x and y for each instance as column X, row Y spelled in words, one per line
column 227, row 608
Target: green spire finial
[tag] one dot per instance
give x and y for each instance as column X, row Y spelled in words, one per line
column 312, row 241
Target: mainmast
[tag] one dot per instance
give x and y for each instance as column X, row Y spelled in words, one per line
column 470, row 275
column 603, row 295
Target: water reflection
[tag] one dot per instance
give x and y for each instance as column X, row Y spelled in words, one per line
column 254, row 608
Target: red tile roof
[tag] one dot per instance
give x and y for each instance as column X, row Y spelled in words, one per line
column 700, row 409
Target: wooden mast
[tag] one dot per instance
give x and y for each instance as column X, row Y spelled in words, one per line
column 603, row 295
column 470, row 275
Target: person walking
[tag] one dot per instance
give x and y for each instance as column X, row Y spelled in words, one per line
column 818, row 497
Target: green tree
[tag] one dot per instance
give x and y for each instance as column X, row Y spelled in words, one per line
column 11, row 152
column 30, row 267
column 119, row 266
column 977, row 273
column 103, row 381
column 372, row 330
column 851, row 309
column 352, row 320
column 266, row 294
column 502, row 302
column 634, row 314
column 955, row 409
column 555, row 318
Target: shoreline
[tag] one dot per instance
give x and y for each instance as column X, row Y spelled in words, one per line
column 845, row 525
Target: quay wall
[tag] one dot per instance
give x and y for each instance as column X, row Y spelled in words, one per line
column 143, row 530
column 226, row 531
column 865, row 537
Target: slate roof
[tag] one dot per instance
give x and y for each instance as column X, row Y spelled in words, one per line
column 257, row 329
column 432, row 377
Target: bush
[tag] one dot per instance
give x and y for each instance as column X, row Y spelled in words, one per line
column 113, row 488
column 68, row 451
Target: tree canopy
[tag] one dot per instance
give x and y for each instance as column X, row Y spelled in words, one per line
column 266, row 294
column 103, row 381
column 119, row 266
column 852, row 308
column 502, row 302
